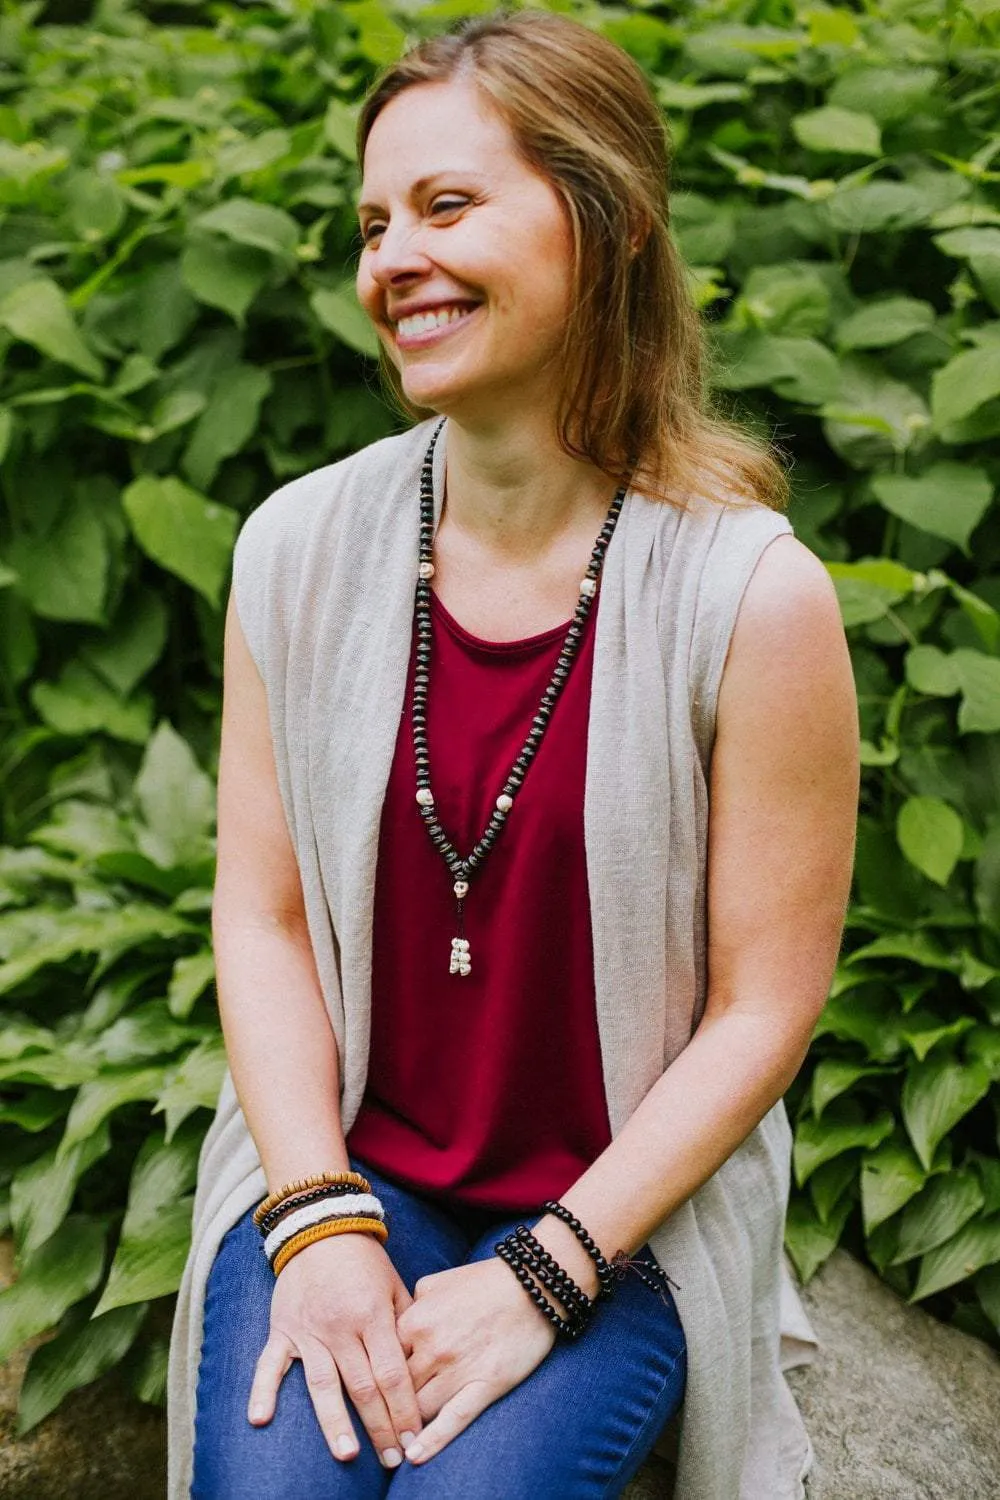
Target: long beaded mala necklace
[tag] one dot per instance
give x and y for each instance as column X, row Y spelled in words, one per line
column 462, row 869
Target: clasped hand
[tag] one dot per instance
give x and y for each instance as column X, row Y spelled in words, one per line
column 469, row 1336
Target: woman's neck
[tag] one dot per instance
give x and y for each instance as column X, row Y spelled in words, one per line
column 513, row 489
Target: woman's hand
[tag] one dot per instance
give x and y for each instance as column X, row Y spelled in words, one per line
column 470, row 1336
column 335, row 1307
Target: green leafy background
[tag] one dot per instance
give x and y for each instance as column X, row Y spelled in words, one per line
column 179, row 335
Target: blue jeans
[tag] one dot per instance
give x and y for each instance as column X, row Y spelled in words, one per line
column 578, row 1428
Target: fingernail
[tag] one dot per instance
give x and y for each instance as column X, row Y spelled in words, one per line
column 392, row 1458
column 345, row 1447
column 256, row 1413
column 407, row 1438
column 415, row 1451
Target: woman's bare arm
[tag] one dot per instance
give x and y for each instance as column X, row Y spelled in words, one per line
column 279, row 1041
column 783, row 805
column 335, row 1304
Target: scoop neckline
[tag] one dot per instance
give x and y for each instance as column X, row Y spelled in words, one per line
column 523, row 645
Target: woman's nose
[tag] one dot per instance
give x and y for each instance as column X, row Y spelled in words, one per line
column 398, row 256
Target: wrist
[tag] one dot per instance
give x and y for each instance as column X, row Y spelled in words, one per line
column 560, row 1241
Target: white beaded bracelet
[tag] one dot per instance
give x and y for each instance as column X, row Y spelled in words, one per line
column 344, row 1206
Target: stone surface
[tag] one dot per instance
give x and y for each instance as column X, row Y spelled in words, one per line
column 898, row 1406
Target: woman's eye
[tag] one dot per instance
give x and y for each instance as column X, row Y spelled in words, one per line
column 370, row 231
column 448, row 205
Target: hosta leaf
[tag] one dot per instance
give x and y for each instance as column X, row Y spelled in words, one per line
column 844, row 131
column 947, row 500
column 868, row 590
column 113, row 931
column 41, row 1193
column 37, row 313
column 890, row 94
column 982, row 1044
column 874, row 417
column 890, row 1176
column 819, row 1141
column 833, row 1076
column 98, row 1099
column 797, row 368
column 930, row 834
column 876, row 207
column 193, row 1084
column 67, row 1267
column 881, row 324
column 74, row 1358
column 176, row 797
column 254, row 154
column 937, row 1093
column 191, row 977
column 923, row 1031
column 967, row 242
column 810, row 1242
column 975, row 1246
column 937, row 1213
column 149, row 1261
column 829, row 1183
column 340, row 126
column 146, row 1032
column 225, row 275
column 259, row 225
column 987, row 1285
column 226, row 424
column 96, row 205
column 182, row 531
column 338, row 309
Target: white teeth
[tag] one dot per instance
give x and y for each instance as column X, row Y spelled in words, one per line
column 424, row 322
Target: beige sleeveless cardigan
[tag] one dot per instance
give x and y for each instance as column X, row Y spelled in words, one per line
column 323, row 576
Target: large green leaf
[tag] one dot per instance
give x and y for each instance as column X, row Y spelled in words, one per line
column 98, row 1099
column 226, row 424
column 868, row 590
column 800, row 369
column 65, row 1269
column 888, row 321
column 874, row 417
column 937, row 1213
column 833, row 1076
column 819, row 1141
column 975, row 1246
column 808, row 1240
column 979, row 676
column 183, row 531
column 931, row 835
column 133, row 644
column 41, row 1193
column 63, row 573
column 891, row 1176
column 259, row 225
column 74, row 1358
column 965, row 384
column 338, row 309
column 937, row 1093
column 37, row 313
column 193, row 1083
column 156, row 1231
column 191, row 977
column 225, row 275
column 947, row 500
column 176, row 797
column 81, row 703
column 844, row 131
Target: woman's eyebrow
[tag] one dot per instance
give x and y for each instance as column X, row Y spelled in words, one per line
column 422, row 184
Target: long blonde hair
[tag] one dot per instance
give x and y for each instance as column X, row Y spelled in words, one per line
column 583, row 116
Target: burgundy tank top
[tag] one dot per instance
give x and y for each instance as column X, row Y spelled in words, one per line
column 487, row 1089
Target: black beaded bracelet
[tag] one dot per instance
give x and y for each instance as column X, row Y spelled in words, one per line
column 288, row 1205
column 605, row 1273
column 550, row 1272
column 569, row 1327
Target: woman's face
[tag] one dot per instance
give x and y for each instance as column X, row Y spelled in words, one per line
column 467, row 259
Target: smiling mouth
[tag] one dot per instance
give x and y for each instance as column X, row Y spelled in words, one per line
column 421, row 323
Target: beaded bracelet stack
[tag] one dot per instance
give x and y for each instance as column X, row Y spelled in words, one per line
column 536, row 1269
column 315, row 1208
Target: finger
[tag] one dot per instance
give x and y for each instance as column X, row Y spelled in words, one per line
column 275, row 1358
column 327, row 1396
column 363, row 1389
column 395, row 1382
column 453, row 1418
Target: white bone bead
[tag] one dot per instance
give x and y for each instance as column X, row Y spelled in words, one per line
column 504, row 803
column 461, row 888
column 425, row 797
column 588, row 587
column 426, row 570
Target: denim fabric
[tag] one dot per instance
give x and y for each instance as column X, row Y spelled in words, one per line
column 578, row 1428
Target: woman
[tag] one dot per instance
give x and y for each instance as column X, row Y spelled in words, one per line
column 510, row 912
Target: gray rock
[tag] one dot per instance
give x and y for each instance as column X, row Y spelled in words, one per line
column 898, row 1406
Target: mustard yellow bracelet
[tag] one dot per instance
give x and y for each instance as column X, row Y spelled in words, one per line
column 324, row 1231
column 303, row 1184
